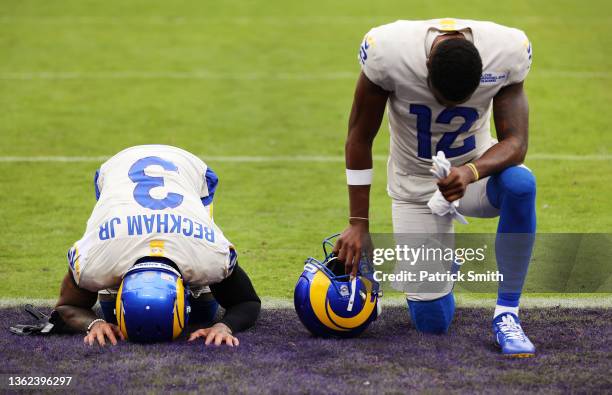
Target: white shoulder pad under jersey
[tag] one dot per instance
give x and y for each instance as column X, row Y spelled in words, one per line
column 394, row 57
column 153, row 200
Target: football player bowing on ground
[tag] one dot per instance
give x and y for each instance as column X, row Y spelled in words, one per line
column 153, row 252
column 440, row 79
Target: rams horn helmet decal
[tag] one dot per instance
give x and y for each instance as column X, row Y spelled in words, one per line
column 152, row 303
column 329, row 303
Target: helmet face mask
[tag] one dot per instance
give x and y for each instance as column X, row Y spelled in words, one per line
column 329, row 303
column 152, row 303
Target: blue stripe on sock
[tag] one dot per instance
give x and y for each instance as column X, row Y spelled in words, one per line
column 508, row 299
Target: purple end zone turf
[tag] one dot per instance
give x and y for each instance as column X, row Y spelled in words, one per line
column 279, row 356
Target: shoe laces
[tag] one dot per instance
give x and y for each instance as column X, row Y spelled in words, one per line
column 510, row 328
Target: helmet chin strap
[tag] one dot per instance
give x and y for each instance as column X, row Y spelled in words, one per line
column 353, row 292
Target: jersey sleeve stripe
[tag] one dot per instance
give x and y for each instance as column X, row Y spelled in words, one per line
column 211, row 182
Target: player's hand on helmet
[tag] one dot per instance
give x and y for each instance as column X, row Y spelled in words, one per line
column 454, row 185
column 101, row 331
column 217, row 335
column 350, row 244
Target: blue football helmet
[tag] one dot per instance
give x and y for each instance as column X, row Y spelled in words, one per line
column 329, row 303
column 152, row 303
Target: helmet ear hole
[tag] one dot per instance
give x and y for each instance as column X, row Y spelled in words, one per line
column 336, row 266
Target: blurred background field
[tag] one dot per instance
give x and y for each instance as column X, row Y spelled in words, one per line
column 260, row 91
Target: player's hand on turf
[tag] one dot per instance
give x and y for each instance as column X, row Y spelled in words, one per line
column 101, row 331
column 217, row 335
column 454, row 185
column 349, row 245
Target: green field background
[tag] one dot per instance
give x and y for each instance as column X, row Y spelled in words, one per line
column 247, row 78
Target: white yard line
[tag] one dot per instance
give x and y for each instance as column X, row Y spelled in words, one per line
column 25, row 159
column 467, row 300
column 281, row 158
column 274, row 20
column 249, row 76
column 544, row 156
column 174, row 75
column 591, row 301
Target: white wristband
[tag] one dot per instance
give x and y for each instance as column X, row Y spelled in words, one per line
column 94, row 322
column 359, row 177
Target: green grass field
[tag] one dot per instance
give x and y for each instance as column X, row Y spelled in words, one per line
column 259, row 79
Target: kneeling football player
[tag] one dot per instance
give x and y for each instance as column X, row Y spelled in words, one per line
column 441, row 81
column 154, row 255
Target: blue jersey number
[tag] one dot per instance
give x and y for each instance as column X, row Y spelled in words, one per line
column 144, row 184
column 423, row 114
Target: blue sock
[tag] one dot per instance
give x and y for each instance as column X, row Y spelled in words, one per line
column 513, row 192
column 433, row 316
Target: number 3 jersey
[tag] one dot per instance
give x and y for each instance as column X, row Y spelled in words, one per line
column 153, row 200
column 394, row 57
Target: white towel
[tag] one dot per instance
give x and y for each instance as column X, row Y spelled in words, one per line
column 438, row 204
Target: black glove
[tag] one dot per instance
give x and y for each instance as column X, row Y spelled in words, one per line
column 45, row 324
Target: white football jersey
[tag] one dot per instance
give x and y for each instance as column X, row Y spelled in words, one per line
column 151, row 202
column 394, row 57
